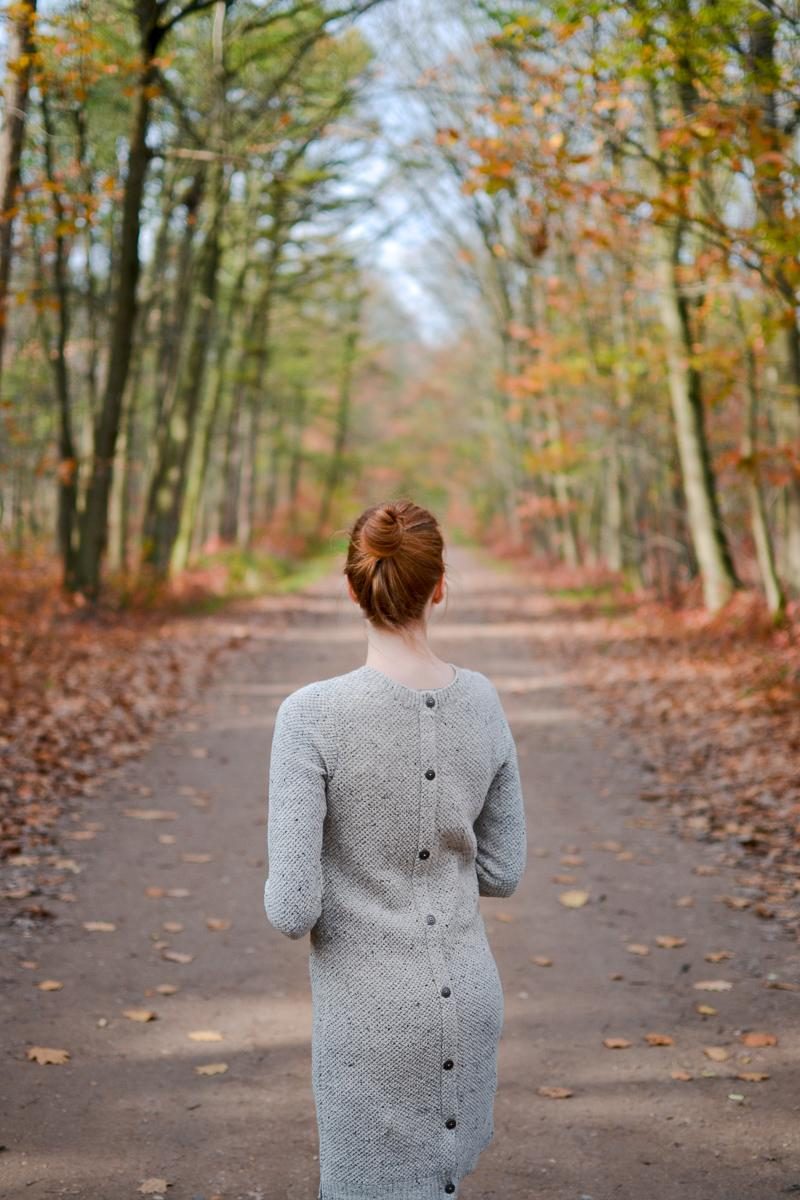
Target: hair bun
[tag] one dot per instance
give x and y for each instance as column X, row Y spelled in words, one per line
column 382, row 533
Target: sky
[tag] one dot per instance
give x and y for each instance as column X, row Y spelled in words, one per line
column 408, row 38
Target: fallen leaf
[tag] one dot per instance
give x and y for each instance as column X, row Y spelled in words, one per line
column 217, row 924
column 752, row 1076
column 554, row 1093
column 716, row 1053
column 47, row 1054
column 153, row 1187
column 155, row 891
column 757, row 1038
column 685, row 902
column 173, row 926
column 503, row 916
column 668, row 942
column 562, row 879
column 612, row 847
column 150, row 814
column 737, row 902
column 212, row 1069
column 705, row 870
column 541, row 960
column 178, row 893
column 682, row 1076
column 572, row 860
column 167, row 839
column 205, row 1035
column 706, row 1010
column 637, row 948
column 575, row 899
column 197, row 858
column 199, row 752
column 781, row 985
column 617, row 1043
column 715, row 956
column 139, row 1014
column 176, row 956
column 167, row 989
column 658, row 1039
column 99, row 926
column 713, row 985
column 50, row 985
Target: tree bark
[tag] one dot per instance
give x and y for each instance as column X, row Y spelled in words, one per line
column 19, row 58
column 94, row 523
column 776, row 598
column 67, row 453
column 705, row 523
column 168, row 485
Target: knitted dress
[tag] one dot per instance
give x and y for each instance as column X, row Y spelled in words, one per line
column 391, row 810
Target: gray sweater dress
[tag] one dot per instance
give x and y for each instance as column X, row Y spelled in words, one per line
column 391, row 810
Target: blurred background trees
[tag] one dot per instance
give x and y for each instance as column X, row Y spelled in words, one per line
column 265, row 261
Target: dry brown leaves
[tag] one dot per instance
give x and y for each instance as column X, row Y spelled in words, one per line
column 713, row 705
column 80, row 692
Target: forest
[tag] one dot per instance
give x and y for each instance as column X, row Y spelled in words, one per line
column 262, row 261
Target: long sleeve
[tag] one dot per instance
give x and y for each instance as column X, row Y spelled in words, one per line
column 297, row 804
column 500, row 828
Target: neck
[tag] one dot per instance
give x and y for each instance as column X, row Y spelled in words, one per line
column 406, row 647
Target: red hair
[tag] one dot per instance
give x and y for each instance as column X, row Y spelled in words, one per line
column 394, row 560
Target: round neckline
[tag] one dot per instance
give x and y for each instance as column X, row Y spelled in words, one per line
column 415, row 696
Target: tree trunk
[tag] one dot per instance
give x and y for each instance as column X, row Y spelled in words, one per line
column 67, row 454
column 94, row 523
column 765, row 553
column 19, row 56
column 209, row 416
column 705, row 524
column 334, row 472
column 770, row 189
column 168, row 485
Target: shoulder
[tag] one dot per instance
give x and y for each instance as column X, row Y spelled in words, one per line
column 312, row 703
column 487, row 702
column 482, row 687
column 306, row 722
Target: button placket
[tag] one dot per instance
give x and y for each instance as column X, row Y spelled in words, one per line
column 426, row 900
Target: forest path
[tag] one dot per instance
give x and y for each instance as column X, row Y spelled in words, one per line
column 129, row 1106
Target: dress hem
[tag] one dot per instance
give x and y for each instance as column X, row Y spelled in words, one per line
column 430, row 1189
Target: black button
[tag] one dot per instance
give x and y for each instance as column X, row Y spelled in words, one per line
column 449, row 1187
column 430, row 773
column 429, row 700
column 431, row 919
column 450, row 1122
column 448, row 1064
column 445, row 990
column 424, row 853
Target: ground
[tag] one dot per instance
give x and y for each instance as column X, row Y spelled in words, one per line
column 129, row 1112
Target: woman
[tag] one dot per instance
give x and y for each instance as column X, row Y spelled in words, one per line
column 394, row 803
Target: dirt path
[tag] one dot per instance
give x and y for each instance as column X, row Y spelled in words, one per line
column 129, row 1105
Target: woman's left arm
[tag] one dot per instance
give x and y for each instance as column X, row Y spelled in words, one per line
column 297, row 804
